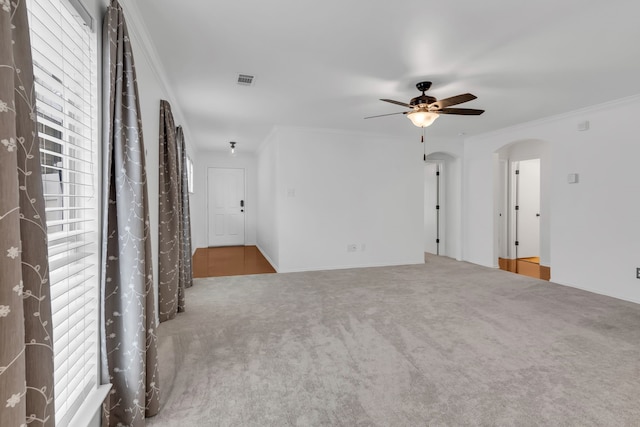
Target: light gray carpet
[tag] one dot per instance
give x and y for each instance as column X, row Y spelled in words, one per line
column 445, row 343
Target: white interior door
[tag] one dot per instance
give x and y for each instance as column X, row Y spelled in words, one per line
column 529, row 208
column 225, row 201
column 503, row 209
column 434, row 217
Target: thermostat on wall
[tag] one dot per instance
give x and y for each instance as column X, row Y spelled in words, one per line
column 572, row 178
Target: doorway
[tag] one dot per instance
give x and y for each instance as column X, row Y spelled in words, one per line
column 525, row 216
column 522, row 184
column 226, row 207
column 434, row 207
column 442, row 204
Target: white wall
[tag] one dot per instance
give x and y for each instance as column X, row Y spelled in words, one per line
column 267, row 230
column 337, row 188
column 221, row 159
column 594, row 239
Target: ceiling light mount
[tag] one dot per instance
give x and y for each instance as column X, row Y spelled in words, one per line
column 423, row 86
column 233, row 147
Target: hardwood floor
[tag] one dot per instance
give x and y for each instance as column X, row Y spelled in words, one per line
column 526, row 266
column 244, row 260
column 230, row 261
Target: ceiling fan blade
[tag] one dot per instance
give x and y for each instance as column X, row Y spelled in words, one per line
column 460, row 111
column 454, row 100
column 404, row 104
column 382, row 115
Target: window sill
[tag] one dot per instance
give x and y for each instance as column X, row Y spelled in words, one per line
column 90, row 407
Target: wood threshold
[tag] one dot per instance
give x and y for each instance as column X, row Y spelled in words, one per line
column 526, row 267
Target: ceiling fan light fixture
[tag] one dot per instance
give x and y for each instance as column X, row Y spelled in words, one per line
column 422, row 118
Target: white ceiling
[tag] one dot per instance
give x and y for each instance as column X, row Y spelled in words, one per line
column 325, row 64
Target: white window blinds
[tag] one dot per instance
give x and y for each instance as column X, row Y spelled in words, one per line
column 64, row 56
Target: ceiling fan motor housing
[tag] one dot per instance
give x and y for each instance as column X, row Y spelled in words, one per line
column 423, row 99
column 424, row 109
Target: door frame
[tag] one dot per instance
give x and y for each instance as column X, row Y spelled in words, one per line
column 514, row 200
column 244, row 217
column 441, row 200
column 504, row 211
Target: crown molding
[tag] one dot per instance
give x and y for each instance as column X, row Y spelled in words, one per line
column 267, row 140
column 139, row 33
column 336, row 131
column 628, row 100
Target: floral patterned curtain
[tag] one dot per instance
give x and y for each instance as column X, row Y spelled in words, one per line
column 26, row 347
column 170, row 288
column 186, row 273
column 128, row 341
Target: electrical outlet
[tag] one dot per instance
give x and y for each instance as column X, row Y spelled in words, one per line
column 637, row 272
column 352, row 247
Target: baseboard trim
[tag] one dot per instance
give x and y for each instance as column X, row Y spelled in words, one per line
column 268, row 258
column 545, row 272
column 346, row 267
column 593, row 291
column 507, row 264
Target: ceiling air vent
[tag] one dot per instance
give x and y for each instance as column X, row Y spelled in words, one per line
column 245, row 79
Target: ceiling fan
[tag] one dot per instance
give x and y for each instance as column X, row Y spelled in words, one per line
column 424, row 109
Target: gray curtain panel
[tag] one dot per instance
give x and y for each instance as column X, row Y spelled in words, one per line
column 128, row 329
column 170, row 289
column 26, row 347
column 186, row 273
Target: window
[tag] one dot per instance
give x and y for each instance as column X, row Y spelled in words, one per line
column 189, row 175
column 64, row 57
